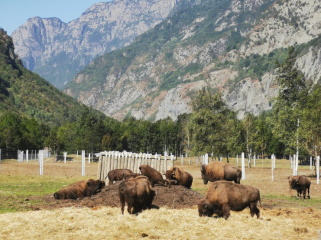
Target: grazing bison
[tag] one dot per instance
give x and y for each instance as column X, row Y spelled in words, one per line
column 220, row 171
column 118, row 175
column 300, row 184
column 224, row 196
column 153, row 175
column 169, row 177
column 184, row 178
column 136, row 192
column 79, row 189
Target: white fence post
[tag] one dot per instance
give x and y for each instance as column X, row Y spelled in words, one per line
column 65, row 157
column 206, row 158
column 254, row 159
column 318, row 169
column 272, row 166
column 89, row 158
column 294, row 157
column 83, row 163
column 27, row 157
column 40, row 158
column 243, row 167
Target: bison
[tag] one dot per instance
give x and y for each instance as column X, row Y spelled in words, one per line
column 136, row 192
column 153, row 175
column 79, row 189
column 184, row 178
column 223, row 196
column 300, row 184
column 169, row 177
column 118, row 175
column 220, row 171
column 133, row 175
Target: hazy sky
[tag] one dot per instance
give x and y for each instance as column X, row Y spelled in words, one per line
column 14, row 13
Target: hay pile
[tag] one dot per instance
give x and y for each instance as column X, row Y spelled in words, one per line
column 108, row 223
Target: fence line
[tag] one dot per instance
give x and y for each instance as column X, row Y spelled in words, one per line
column 124, row 160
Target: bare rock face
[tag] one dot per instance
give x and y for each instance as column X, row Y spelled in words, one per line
column 57, row 50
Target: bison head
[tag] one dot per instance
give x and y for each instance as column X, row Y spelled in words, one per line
column 204, row 208
column 203, row 172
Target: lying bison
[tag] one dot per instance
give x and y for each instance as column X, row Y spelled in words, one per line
column 223, row 196
column 80, row 189
column 220, row 171
column 184, row 178
column 136, row 192
column 300, row 184
column 169, row 177
column 154, row 176
column 118, row 175
column 133, row 175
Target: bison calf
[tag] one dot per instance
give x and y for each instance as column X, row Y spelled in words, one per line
column 215, row 171
column 300, row 184
column 136, row 192
column 184, row 178
column 224, row 196
column 118, row 175
column 153, row 175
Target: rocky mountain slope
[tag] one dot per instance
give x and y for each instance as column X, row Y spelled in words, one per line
column 227, row 45
column 58, row 50
column 25, row 92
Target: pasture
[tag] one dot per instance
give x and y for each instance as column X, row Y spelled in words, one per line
column 26, row 211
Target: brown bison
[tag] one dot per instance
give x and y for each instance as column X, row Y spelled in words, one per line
column 136, row 192
column 220, row 171
column 184, row 178
column 153, row 175
column 300, row 184
column 118, row 175
column 169, row 177
column 80, row 189
column 133, row 175
column 224, row 196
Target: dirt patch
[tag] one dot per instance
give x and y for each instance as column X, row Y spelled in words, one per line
column 176, row 197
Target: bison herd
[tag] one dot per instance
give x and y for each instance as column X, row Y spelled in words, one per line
column 224, row 194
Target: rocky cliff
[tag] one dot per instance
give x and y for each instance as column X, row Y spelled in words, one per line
column 229, row 46
column 58, row 50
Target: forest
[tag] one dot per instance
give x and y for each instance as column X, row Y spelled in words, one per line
column 211, row 127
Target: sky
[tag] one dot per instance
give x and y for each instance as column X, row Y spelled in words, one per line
column 15, row 13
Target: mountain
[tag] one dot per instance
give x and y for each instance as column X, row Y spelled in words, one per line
column 24, row 92
column 57, row 50
column 227, row 45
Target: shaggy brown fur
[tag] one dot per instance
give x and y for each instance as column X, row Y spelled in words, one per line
column 80, row 189
column 136, row 192
column 225, row 196
column 300, row 184
column 215, row 171
column 169, row 177
column 154, row 176
column 118, row 175
column 184, row 178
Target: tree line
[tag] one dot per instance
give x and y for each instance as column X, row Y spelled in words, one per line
column 292, row 125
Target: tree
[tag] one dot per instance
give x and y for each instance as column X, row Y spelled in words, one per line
column 208, row 123
column 290, row 101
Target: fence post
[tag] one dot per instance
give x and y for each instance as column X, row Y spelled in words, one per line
column 317, row 166
column 89, row 158
column 254, row 159
column 310, row 162
column 243, row 167
column 294, row 157
column 83, row 163
column 27, row 157
column 40, row 158
column 99, row 167
column 65, row 157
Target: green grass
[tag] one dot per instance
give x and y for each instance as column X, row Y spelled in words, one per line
column 15, row 191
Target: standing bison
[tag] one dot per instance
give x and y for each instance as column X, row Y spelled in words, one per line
column 224, row 196
column 184, row 178
column 136, row 192
column 80, row 189
column 154, row 176
column 220, row 171
column 118, row 175
column 300, row 184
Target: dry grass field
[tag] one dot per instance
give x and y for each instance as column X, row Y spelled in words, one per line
column 282, row 216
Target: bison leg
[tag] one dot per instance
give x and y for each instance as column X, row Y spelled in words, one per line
column 226, row 211
column 254, row 210
column 309, row 192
